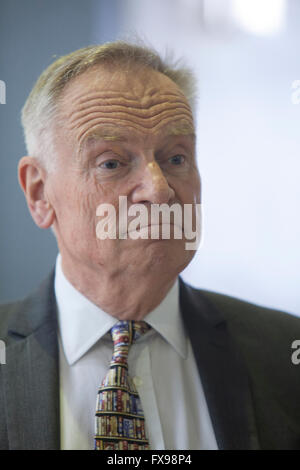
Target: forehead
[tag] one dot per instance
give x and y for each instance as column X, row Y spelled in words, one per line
column 141, row 101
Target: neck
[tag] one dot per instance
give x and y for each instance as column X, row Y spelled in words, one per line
column 126, row 294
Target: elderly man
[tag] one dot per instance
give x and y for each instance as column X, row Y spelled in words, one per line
column 114, row 350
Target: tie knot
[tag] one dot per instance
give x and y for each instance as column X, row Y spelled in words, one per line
column 124, row 333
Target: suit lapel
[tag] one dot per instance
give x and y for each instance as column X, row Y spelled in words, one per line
column 31, row 373
column 223, row 374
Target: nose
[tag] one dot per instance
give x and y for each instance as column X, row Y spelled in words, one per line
column 153, row 186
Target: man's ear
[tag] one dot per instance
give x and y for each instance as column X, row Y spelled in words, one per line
column 32, row 179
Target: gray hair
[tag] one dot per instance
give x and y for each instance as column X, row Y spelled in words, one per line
column 40, row 110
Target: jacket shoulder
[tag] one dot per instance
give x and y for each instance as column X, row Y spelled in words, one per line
column 7, row 311
column 24, row 316
column 247, row 317
column 264, row 336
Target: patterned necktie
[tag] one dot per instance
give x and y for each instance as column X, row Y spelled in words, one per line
column 120, row 422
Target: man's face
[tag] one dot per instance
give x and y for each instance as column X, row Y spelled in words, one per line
column 122, row 134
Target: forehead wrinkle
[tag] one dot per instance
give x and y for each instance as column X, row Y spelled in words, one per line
column 129, row 113
column 150, row 95
column 184, row 127
column 138, row 109
column 146, row 125
column 180, row 126
column 139, row 100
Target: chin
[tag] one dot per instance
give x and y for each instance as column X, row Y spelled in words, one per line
column 166, row 255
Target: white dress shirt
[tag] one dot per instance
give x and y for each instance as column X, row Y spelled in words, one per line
column 161, row 362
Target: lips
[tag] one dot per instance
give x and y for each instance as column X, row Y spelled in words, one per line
column 143, row 228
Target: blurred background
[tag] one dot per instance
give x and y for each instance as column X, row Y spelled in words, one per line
column 246, row 57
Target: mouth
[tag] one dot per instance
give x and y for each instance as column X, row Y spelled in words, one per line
column 148, row 228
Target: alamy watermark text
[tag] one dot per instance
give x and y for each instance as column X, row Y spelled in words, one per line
column 159, row 221
column 2, row 92
column 2, row 352
column 295, row 357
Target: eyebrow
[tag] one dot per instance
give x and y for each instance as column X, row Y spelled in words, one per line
column 102, row 133
column 111, row 135
column 180, row 129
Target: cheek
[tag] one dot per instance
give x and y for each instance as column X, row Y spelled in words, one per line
column 188, row 190
column 73, row 199
column 198, row 190
column 89, row 195
column 195, row 187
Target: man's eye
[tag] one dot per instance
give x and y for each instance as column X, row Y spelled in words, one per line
column 110, row 165
column 177, row 159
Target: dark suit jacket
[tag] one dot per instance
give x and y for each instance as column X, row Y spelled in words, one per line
column 243, row 354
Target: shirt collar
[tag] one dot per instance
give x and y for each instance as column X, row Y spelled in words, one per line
column 166, row 320
column 82, row 323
